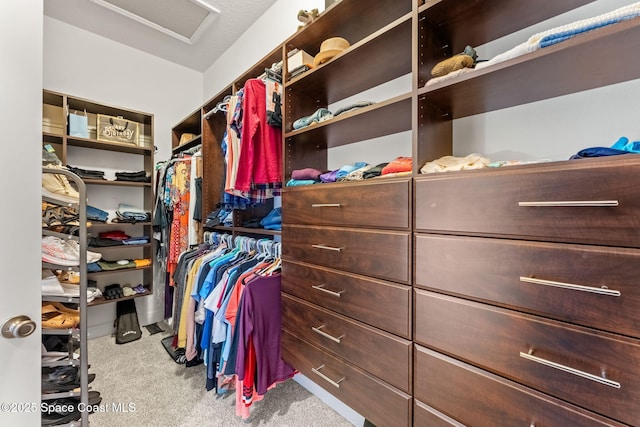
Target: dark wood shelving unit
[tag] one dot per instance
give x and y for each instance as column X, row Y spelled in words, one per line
column 327, row 223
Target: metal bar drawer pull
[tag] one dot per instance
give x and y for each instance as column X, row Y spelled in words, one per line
column 316, row 371
column 601, row 380
column 326, row 205
column 325, row 290
column 329, row 248
column 582, row 288
column 572, row 203
column 326, row 335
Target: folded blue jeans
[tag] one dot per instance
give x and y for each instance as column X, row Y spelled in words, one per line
column 273, row 218
column 96, row 214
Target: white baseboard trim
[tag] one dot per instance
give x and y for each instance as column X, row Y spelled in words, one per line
column 101, row 330
column 334, row 403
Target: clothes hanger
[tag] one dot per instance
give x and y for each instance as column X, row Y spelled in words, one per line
column 220, row 107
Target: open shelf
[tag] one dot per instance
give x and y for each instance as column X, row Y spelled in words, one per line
column 61, row 298
column 338, row 20
column 104, row 145
column 380, row 119
column 116, row 183
column 119, row 270
column 101, row 248
column 382, row 56
column 545, row 73
column 46, row 232
column 64, row 362
column 187, row 145
column 103, row 300
column 117, row 224
column 52, row 331
column 462, row 23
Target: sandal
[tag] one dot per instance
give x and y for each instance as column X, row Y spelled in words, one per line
column 53, row 318
column 64, row 309
column 58, row 215
column 63, row 378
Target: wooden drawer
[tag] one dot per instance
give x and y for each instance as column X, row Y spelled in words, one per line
column 424, row 416
column 476, row 397
column 489, row 202
column 384, row 204
column 594, row 286
column 351, row 340
column 372, row 398
column 358, row 297
column 381, row 254
column 592, row 369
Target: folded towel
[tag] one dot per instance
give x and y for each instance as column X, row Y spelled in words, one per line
column 300, row 182
column 399, row 164
column 347, row 169
column 306, row 173
column 329, row 176
column 452, row 163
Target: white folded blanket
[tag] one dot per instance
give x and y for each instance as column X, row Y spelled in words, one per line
column 565, row 32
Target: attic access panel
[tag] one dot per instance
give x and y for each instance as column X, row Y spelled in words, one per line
column 181, row 19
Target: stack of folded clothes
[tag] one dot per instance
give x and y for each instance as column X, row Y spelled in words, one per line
column 400, row 166
column 140, row 176
column 339, row 174
column 128, row 213
column 273, row 220
column 87, row 173
column 136, row 240
column 304, row 176
column 621, row 146
column 109, row 238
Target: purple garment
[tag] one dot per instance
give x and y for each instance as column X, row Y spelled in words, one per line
column 329, row 176
column 260, row 319
column 304, row 174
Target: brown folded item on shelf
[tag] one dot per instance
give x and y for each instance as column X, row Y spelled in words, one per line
column 456, row 62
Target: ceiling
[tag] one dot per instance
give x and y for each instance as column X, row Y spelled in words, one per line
column 192, row 33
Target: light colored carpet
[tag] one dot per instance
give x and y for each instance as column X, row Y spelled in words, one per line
column 141, row 377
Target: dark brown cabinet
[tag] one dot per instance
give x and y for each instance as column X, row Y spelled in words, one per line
column 525, row 304
column 346, row 292
column 545, row 321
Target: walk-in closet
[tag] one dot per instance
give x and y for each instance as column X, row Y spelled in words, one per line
column 320, row 213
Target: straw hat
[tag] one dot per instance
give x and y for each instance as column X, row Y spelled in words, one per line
column 186, row 137
column 330, row 48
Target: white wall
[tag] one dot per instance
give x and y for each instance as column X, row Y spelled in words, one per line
column 85, row 65
column 274, row 26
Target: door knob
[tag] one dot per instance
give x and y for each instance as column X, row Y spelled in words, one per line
column 18, row 327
